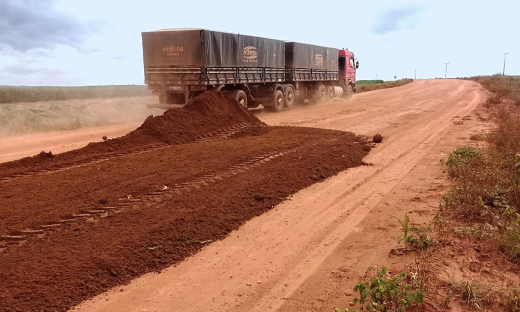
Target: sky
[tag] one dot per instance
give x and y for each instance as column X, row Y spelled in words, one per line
column 98, row 42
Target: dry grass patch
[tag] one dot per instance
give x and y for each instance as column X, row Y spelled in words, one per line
column 22, row 118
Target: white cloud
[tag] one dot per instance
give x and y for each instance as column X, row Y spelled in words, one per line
column 397, row 18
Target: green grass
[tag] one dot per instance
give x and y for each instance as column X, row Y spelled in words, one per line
column 364, row 82
column 9, row 94
column 370, row 85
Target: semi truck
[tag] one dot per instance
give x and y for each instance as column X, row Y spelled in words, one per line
column 180, row 64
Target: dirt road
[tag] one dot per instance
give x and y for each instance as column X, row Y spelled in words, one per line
column 120, row 219
column 307, row 253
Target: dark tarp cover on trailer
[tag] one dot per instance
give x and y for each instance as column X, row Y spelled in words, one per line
column 206, row 48
column 308, row 56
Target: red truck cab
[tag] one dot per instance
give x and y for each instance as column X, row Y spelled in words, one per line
column 347, row 68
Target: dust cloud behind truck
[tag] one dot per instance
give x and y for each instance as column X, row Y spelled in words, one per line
column 182, row 63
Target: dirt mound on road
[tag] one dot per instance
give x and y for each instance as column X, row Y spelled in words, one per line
column 206, row 113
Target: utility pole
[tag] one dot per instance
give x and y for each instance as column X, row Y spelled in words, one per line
column 446, row 72
column 504, row 72
column 415, row 70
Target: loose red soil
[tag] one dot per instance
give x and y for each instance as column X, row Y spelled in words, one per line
column 208, row 196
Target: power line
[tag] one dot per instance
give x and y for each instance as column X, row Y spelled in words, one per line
column 504, row 71
column 446, row 72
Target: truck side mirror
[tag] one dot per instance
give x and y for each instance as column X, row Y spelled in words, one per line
column 357, row 64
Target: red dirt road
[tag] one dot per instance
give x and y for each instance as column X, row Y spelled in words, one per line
column 307, row 253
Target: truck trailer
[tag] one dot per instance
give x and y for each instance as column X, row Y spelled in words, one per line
column 180, row 64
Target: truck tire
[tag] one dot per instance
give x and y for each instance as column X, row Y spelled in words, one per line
column 278, row 101
column 320, row 94
column 289, row 97
column 330, row 92
column 348, row 92
column 241, row 97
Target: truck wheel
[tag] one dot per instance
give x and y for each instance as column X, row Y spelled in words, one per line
column 330, row 92
column 241, row 97
column 320, row 94
column 349, row 92
column 278, row 101
column 289, row 97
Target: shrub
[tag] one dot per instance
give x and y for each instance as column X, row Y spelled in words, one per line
column 460, row 158
column 380, row 292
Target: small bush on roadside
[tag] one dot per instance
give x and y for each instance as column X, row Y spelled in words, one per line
column 462, row 156
column 380, row 292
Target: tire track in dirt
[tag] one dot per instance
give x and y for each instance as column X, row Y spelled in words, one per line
column 19, row 238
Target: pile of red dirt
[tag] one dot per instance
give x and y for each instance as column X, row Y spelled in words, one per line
column 205, row 115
